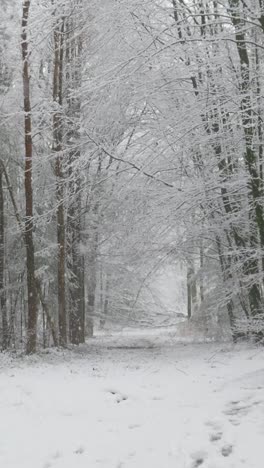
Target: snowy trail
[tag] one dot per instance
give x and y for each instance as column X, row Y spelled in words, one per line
column 112, row 406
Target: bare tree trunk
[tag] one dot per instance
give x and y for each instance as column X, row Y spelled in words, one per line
column 91, row 289
column 227, row 277
column 93, row 250
column 76, row 287
column 30, row 254
column 58, row 148
column 2, row 266
column 202, row 272
column 106, row 300
column 189, row 293
column 103, row 298
column 75, row 216
column 101, row 279
column 191, row 290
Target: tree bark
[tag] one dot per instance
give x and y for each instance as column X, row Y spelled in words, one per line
column 189, row 295
column 2, row 266
column 75, row 217
column 30, row 254
column 76, row 287
column 91, row 280
column 58, row 149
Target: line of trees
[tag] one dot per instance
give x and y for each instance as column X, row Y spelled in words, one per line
column 141, row 130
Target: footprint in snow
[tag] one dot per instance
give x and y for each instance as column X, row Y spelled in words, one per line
column 119, row 396
column 79, row 450
column 216, row 436
column 214, row 424
column 227, row 450
column 236, row 407
column 216, row 433
column 235, row 410
column 198, row 458
column 198, row 462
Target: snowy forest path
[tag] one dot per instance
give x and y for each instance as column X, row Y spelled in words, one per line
column 134, row 402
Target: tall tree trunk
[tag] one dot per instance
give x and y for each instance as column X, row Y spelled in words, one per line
column 95, row 218
column 91, row 289
column 75, row 216
column 2, row 266
column 189, row 294
column 191, row 290
column 104, row 299
column 202, row 272
column 58, row 149
column 76, row 287
column 227, row 277
column 30, row 254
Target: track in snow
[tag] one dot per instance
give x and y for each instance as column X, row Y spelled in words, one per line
column 134, row 402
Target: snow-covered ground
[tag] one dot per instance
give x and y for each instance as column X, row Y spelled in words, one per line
column 134, row 402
